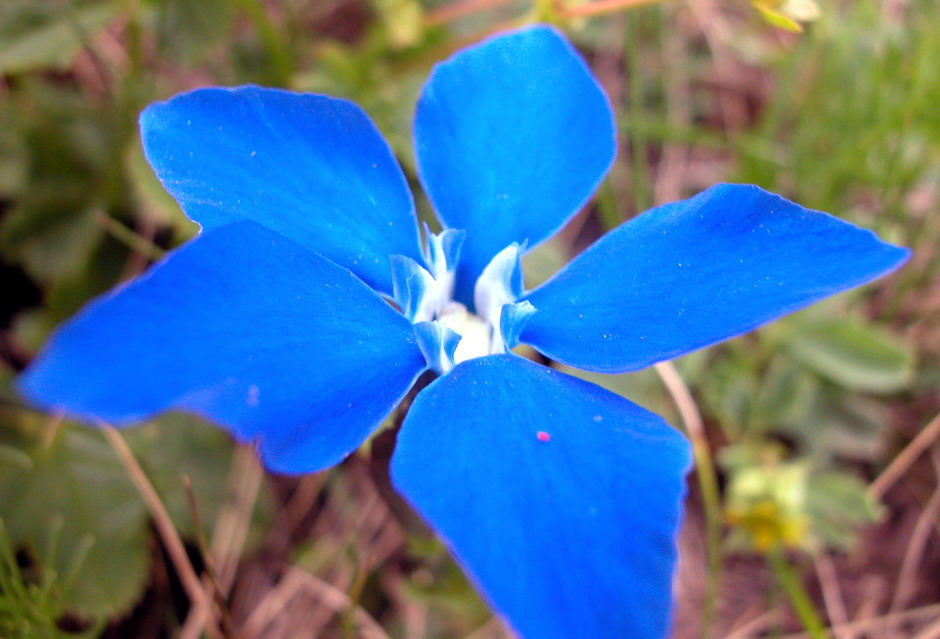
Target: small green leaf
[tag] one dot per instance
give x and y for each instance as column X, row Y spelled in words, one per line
column 838, row 504
column 788, row 14
column 779, row 20
column 177, row 445
column 38, row 35
column 855, row 355
column 403, row 21
column 31, row 609
column 729, row 392
column 76, row 500
column 188, row 29
column 14, row 159
column 11, row 456
column 50, row 244
column 787, row 392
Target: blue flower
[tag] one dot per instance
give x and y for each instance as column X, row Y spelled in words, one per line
column 560, row 499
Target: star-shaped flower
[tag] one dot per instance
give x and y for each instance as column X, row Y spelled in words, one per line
column 560, row 499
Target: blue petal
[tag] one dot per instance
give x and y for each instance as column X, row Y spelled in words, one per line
column 512, row 137
column 692, row 273
column 559, row 498
column 245, row 327
column 311, row 167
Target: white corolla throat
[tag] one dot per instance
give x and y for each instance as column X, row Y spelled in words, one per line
column 447, row 331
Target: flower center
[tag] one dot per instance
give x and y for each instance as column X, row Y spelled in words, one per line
column 447, row 332
column 476, row 335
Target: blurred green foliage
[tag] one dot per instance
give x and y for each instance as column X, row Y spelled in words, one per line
column 30, row 605
column 840, row 118
column 66, row 494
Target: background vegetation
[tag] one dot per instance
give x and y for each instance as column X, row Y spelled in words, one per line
column 816, row 503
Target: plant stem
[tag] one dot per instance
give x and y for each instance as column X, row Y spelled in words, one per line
column 796, row 593
column 896, row 469
column 635, row 109
column 275, row 42
column 602, row 7
column 708, row 484
column 129, row 237
column 171, row 539
column 455, row 10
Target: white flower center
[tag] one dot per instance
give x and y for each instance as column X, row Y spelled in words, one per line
column 475, row 333
column 447, row 332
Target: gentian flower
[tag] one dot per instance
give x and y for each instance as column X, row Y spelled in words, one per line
column 560, row 499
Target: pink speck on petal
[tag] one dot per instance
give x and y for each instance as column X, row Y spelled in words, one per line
column 543, row 436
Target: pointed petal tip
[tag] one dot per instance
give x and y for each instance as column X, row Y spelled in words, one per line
column 232, row 327
column 689, row 274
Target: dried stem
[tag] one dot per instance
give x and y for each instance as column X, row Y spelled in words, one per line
column 877, row 626
column 51, row 429
column 832, row 594
column 130, row 238
column 272, row 605
column 602, row 7
column 231, row 531
column 915, row 552
column 456, row 10
column 234, row 521
column 930, row 632
column 905, row 459
column 757, row 625
column 171, row 539
column 708, row 483
column 210, row 580
column 338, row 601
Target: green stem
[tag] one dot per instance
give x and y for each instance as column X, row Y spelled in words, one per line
column 607, row 209
column 796, row 593
column 637, row 136
column 274, row 41
column 708, row 484
column 711, row 500
column 129, row 237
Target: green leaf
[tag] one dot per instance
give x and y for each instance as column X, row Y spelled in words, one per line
column 855, row 355
column 14, row 161
column 38, row 35
column 50, row 241
column 838, row 504
column 786, row 393
column 76, row 498
column 50, row 229
column 31, row 609
column 66, row 492
column 729, row 392
column 178, row 445
column 188, row 29
column 779, row 20
column 849, row 426
column 14, row 457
